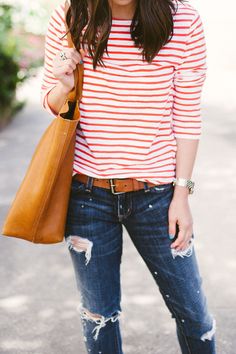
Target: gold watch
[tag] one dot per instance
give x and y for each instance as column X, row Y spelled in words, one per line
column 184, row 183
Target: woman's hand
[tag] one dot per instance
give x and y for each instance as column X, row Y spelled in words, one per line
column 63, row 69
column 179, row 212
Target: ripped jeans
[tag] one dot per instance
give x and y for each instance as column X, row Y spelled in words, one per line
column 94, row 238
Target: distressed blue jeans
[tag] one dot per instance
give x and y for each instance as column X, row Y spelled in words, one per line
column 94, row 239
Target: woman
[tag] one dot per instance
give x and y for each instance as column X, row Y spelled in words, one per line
column 144, row 69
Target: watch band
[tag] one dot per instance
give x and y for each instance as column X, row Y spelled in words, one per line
column 184, row 183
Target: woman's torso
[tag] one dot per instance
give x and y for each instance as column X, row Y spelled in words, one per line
column 126, row 107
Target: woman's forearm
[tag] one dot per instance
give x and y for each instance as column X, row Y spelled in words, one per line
column 185, row 159
column 57, row 96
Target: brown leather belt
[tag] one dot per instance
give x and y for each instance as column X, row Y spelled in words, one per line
column 116, row 185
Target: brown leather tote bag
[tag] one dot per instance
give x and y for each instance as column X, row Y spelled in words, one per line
column 39, row 209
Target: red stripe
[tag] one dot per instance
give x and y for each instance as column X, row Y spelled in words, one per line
column 189, row 93
column 127, row 119
column 188, row 133
column 50, row 83
column 57, row 22
column 117, row 107
column 114, row 74
column 185, row 104
column 184, row 121
column 54, row 41
column 131, row 41
column 51, row 77
column 49, row 58
column 129, row 88
column 128, row 82
column 131, row 46
column 124, row 94
column 117, row 113
column 134, row 60
column 119, row 133
column 117, row 100
column 184, row 110
column 114, row 132
column 52, row 46
column 47, row 63
column 183, row 115
column 59, row 15
column 185, row 127
column 196, row 41
column 185, row 14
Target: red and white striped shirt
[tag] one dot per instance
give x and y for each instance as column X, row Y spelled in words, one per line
column 132, row 111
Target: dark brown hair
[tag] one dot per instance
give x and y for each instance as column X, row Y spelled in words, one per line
column 151, row 26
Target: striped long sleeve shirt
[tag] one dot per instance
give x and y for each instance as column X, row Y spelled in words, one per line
column 133, row 111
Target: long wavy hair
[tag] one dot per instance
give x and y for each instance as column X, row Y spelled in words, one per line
column 151, row 26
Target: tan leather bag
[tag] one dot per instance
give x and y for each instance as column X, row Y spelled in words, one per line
column 39, row 209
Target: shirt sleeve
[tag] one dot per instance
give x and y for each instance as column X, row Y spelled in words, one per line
column 53, row 44
column 189, row 78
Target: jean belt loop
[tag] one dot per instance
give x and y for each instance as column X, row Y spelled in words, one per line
column 146, row 187
column 89, row 184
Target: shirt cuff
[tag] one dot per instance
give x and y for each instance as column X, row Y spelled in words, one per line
column 44, row 101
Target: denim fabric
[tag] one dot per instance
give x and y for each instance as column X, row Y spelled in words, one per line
column 94, row 238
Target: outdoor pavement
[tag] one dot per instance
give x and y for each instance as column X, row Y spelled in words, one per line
column 38, row 296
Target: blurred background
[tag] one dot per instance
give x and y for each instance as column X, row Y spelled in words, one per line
column 38, row 296
column 22, row 30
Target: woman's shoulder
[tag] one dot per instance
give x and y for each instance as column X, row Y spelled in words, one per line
column 57, row 18
column 185, row 11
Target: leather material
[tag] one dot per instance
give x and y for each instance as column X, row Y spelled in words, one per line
column 39, row 209
column 121, row 185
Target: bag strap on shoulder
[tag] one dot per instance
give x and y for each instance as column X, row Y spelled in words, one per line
column 76, row 92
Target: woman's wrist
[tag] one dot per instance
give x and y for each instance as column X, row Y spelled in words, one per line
column 181, row 192
column 57, row 96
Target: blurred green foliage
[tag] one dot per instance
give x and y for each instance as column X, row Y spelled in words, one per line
column 10, row 71
column 21, row 50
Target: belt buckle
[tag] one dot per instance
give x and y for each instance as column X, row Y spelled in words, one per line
column 112, row 185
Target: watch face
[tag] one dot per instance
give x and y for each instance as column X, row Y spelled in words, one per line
column 188, row 183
